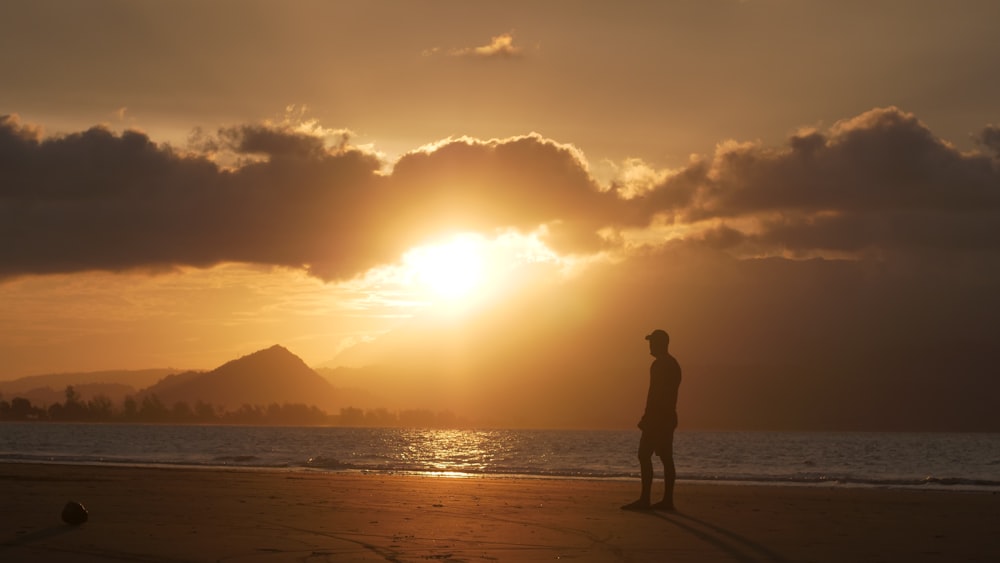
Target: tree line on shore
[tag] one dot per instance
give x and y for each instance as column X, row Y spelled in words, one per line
column 150, row 409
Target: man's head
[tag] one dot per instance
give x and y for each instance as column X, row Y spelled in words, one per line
column 659, row 341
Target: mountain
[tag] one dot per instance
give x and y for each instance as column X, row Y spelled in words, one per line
column 273, row 375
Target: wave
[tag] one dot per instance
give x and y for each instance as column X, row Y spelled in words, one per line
column 942, row 483
column 235, row 458
column 327, row 464
column 935, row 483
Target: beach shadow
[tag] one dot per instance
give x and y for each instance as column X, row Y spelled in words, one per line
column 36, row 536
column 740, row 548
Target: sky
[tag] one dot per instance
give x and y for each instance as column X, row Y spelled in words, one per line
column 484, row 207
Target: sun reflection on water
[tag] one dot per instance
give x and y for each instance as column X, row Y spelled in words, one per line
column 466, row 453
column 456, row 453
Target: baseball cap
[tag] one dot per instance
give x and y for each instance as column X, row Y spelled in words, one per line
column 658, row 335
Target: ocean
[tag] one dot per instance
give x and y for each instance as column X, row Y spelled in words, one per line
column 930, row 461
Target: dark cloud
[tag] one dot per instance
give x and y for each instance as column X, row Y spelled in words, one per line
column 877, row 183
column 97, row 200
column 521, row 182
column 989, row 138
column 879, row 180
column 271, row 141
column 259, row 139
column 722, row 237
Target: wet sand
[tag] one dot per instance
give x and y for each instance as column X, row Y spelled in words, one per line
column 237, row 516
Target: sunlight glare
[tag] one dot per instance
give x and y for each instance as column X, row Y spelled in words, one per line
column 455, row 274
column 450, row 270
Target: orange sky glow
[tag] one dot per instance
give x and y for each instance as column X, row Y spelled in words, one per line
column 483, row 207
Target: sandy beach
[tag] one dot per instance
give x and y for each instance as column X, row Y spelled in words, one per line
column 236, row 516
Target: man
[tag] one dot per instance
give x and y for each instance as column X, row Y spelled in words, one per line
column 658, row 423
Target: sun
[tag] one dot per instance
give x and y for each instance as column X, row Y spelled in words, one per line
column 459, row 273
column 451, row 270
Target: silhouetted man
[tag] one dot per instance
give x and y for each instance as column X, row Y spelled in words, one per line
column 658, row 423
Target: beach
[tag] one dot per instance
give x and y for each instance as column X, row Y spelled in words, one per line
column 238, row 515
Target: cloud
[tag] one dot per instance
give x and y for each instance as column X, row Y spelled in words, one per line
column 285, row 139
column 878, row 181
column 96, row 200
column 99, row 201
column 500, row 47
column 520, row 182
column 302, row 196
column 990, row 139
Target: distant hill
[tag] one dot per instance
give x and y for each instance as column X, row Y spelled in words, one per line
column 46, row 396
column 273, row 375
column 135, row 378
column 352, row 389
column 51, row 388
column 171, row 381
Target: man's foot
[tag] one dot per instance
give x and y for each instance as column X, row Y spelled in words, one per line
column 664, row 505
column 637, row 505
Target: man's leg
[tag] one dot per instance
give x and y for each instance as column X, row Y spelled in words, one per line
column 669, row 475
column 645, row 473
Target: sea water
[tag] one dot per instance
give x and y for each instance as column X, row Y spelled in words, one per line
column 917, row 460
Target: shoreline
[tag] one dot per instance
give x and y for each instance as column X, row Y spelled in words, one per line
column 929, row 486
column 169, row 514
